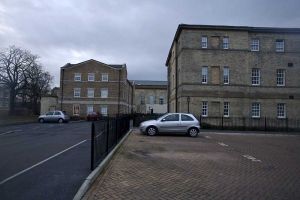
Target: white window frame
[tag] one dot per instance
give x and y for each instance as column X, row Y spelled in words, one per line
column 225, row 42
column 204, row 112
column 104, row 77
column 279, row 45
column 90, row 92
column 91, row 76
column 104, row 92
column 226, row 75
column 255, row 110
column 161, row 100
column 77, row 92
column 255, row 76
column 151, row 99
column 255, row 44
column 76, row 107
column 142, row 98
column 204, row 75
column 280, row 77
column 226, row 110
column 281, row 110
column 204, row 42
column 89, row 109
column 103, row 110
column 77, row 76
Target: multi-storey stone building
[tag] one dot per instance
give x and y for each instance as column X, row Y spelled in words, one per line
column 235, row 71
column 94, row 86
column 150, row 96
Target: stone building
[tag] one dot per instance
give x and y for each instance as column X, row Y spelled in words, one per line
column 235, row 71
column 150, row 96
column 94, row 86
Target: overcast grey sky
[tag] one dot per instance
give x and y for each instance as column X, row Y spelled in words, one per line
column 136, row 32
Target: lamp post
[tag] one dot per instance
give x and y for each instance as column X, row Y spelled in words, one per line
column 188, row 101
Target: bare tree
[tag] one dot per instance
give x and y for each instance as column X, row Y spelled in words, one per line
column 37, row 83
column 14, row 62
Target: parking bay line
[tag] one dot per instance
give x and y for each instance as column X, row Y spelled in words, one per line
column 43, row 161
column 13, row 131
column 222, row 144
column 6, row 133
column 251, row 158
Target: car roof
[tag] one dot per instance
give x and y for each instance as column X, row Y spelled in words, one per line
column 181, row 113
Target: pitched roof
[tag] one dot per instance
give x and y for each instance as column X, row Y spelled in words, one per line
column 92, row 60
column 116, row 66
column 149, row 82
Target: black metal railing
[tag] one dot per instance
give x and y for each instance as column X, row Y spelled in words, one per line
column 243, row 123
column 105, row 135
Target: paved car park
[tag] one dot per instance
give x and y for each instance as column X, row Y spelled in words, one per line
column 215, row 165
column 43, row 161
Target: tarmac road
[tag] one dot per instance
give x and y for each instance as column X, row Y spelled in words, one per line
column 43, row 161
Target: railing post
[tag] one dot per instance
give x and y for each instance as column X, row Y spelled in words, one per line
column 222, row 122
column 200, row 121
column 265, row 123
column 117, row 130
column 107, row 135
column 92, row 145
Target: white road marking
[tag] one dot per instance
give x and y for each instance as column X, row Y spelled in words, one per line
column 33, row 166
column 6, row 133
column 13, row 131
column 251, row 158
column 222, row 144
column 208, row 137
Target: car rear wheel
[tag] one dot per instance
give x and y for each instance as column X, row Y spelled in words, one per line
column 151, row 131
column 193, row 132
column 41, row 120
column 60, row 120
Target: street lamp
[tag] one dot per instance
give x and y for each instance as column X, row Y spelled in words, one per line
column 188, row 101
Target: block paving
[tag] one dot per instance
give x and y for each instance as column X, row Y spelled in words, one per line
column 180, row 167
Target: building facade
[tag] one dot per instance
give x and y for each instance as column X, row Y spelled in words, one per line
column 234, row 71
column 92, row 86
column 150, row 96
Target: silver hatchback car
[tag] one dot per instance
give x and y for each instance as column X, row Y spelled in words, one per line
column 172, row 122
column 54, row 116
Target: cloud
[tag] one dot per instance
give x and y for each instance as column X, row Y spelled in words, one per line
column 138, row 33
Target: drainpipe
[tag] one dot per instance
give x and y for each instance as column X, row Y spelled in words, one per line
column 169, row 73
column 119, row 92
column 132, row 94
column 62, row 88
column 176, row 78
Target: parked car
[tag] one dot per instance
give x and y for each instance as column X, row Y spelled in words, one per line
column 54, row 116
column 171, row 123
column 93, row 116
